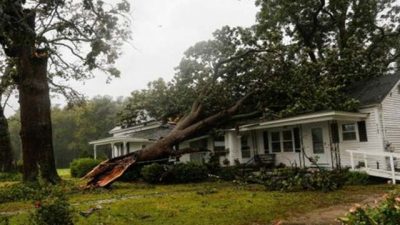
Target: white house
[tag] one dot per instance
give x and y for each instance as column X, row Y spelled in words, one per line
column 369, row 138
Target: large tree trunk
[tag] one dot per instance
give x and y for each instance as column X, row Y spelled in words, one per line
column 110, row 170
column 36, row 129
column 6, row 155
column 34, row 100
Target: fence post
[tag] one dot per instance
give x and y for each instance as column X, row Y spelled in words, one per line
column 352, row 160
column 365, row 161
column 392, row 169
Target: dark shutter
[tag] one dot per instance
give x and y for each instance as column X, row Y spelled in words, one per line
column 335, row 132
column 297, row 145
column 362, row 131
column 266, row 142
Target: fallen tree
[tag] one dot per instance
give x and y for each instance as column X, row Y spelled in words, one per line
column 110, row 170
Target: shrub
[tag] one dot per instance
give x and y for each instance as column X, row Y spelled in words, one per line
column 228, row 173
column 152, row 173
column 4, row 220
column 80, row 167
column 20, row 166
column 187, row 173
column 10, row 176
column 326, row 180
column 387, row 212
column 52, row 209
column 297, row 179
column 357, row 178
column 178, row 173
column 132, row 174
column 31, row 191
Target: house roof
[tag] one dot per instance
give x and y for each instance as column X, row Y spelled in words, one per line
column 374, row 90
column 110, row 140
column 146, row 133
column 306, row 118
column 155, row 133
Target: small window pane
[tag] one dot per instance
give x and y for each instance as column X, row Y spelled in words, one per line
column 349, row 136
column 245, row 148
column 275, row 136
column 349, row 127
column 276, row 147
column 276, row 142
column 287, row 135
column 288, row 146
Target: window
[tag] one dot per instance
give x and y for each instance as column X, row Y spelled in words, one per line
column 199, row 144
column 318, row 140
column 245, row 148
column 266, row 142
column 219, row 145
column 349, row 132
column 287, row 140
column 276, row 141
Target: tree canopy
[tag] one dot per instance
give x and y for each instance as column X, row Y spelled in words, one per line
column 299, row 57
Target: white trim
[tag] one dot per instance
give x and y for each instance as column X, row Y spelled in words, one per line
column 308, row 118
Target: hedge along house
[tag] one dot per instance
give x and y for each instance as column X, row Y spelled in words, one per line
column 363, row 139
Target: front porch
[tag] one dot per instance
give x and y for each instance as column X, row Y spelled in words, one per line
column 296, row 141
column 120, row 145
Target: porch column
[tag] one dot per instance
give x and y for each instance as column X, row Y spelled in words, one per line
column 113, row 150
column 95, row 151
column 124, row 149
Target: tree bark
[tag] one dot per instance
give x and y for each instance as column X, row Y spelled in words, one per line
column 36, row 129
column 108, row 171
column 6, row 154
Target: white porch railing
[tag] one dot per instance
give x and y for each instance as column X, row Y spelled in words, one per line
column 385, row 159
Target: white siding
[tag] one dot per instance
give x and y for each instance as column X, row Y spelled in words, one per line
column 374, row 135
column 391, row 118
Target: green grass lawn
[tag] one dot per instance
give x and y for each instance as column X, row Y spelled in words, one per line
column 202, row 203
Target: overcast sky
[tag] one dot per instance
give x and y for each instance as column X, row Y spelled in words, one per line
column 162, row 30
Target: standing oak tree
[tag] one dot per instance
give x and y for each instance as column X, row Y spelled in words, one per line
column 50, row 41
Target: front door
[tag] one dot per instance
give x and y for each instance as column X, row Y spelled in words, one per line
column 318, row 145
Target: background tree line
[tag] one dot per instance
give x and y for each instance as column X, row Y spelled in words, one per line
column 74, row 127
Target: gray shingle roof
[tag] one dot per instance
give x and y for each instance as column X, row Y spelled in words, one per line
column 374, row 90
column 153, row 134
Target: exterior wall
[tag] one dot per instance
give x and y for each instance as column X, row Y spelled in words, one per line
column 374, row 143
column 391, row 118
column 256, row 142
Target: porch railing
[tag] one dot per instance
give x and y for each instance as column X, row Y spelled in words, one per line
column 379, row 164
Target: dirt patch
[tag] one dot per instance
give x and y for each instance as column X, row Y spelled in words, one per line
column 329, row 215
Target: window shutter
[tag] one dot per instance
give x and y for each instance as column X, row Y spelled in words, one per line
column 297, row 145
column 362, row 131
column 266, row 142
column 335, row 132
